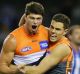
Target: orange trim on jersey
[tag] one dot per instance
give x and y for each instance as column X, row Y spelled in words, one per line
column 69, row 63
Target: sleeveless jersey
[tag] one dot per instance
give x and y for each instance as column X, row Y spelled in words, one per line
column 30, row 48
column 64, row 67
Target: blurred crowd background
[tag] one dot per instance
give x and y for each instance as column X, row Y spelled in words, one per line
column 12, row 10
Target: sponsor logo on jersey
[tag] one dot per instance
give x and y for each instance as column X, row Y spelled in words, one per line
column 26, row 49
column 43, row 45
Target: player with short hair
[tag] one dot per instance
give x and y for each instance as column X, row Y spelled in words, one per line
column 74, row 36
column 26, row 44
column 59, row 49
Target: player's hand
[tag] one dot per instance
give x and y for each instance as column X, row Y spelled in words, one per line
column 14, row 69
column 30, row 70
column 21, row 67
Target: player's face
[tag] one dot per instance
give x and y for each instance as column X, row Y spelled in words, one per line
column 56, row 31
column 33, row 21
column 75, row 36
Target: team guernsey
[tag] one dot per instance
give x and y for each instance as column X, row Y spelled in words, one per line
column 64, row 67
column 30, row 48
column 76, row 61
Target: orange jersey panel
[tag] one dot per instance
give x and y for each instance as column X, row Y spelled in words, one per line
column 27, row 44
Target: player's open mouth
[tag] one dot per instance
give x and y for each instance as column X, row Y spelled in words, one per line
column 53, row 35
column 34, row 27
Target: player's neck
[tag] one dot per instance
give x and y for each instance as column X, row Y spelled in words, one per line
column 28, row 32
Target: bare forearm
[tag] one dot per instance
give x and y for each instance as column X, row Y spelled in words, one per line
column 5, row 70
column 46, row 64
column 8, row 69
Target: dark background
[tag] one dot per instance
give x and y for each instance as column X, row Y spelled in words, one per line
column 12, row 10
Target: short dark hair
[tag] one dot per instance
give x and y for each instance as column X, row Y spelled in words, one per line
column 71, row 29
column 34, row 7
column 62, row 18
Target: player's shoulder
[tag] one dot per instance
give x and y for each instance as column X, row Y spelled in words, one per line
column 9, row 43
column 64, row 41
column 10, row 37
column 63, row 47
column 43, row 29
column 47, row 28
column 17, row 29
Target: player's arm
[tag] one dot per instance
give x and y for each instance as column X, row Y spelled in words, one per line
column 7, row 55
column 47, row 28
column 22, row 20
column 54, row 58
column 49, row 61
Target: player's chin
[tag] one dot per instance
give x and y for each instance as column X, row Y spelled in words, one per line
column 53, row 40
column 35, row 30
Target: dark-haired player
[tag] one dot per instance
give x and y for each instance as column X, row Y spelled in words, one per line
column 27, row 44
column 57, row 62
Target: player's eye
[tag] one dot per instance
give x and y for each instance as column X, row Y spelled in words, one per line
column 58, row 29
column 32, row 18
column 38, row 18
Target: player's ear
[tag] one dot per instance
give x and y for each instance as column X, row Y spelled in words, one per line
column 65, row 32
